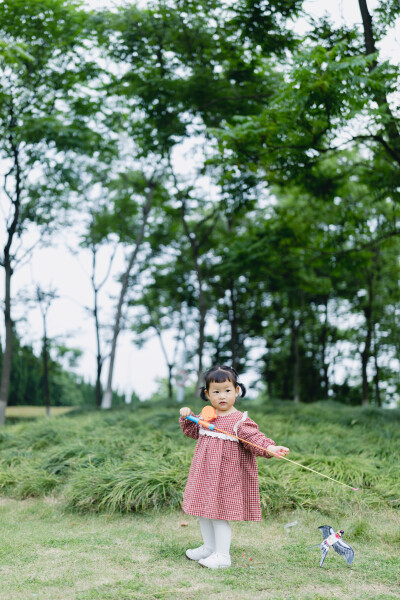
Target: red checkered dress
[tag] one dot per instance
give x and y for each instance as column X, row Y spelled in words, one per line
column 223, row 477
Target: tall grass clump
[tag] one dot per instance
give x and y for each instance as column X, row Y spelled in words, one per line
column 132, row 486
column 132, row 461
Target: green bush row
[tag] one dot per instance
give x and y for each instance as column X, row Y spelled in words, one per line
column 135, row 461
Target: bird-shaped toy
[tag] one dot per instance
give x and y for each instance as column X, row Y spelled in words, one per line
column 334, row 539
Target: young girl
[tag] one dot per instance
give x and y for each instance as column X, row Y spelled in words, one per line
column 223, row 480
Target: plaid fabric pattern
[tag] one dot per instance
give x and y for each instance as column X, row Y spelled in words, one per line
column 223, row 477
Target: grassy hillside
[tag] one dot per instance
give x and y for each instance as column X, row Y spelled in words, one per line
column 128, row 460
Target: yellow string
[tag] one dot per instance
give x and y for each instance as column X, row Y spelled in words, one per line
column 288, row 459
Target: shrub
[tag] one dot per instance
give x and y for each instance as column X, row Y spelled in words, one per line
column 136, row 461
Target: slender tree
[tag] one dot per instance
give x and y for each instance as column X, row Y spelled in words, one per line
column 149, row 187
column 44, row 300
column 39, row 125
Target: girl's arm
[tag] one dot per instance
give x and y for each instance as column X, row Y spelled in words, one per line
column 248, row 430
column 188, row 427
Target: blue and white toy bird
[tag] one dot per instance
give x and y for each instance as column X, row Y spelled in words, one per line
column 334, row 539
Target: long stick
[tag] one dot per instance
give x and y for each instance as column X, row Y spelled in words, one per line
column 212, row 428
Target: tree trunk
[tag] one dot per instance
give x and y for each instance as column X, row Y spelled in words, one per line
column 376, row 383
column 170, row 365
column 377, row 373
column 96, row 289
column 170, row 387
column 366, row 353
column 296, row 363
column 380, row 97
column 99, row 389
column 46, row 386
column 194, row 244
column 218, row 347
column 107, row 397
column 202, row 326
column 182, row 365
column 99, row 358
column 364, row 365
column 9, row 325
column 370, row 325
column 267, row 371
column 324, row 341
column 369, row 38
column 234, row 325
column 7, row 356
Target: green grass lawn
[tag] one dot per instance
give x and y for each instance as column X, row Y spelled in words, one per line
column 50, row 554
column 90, row 508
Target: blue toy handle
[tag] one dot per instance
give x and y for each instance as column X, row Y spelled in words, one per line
column 200, row 422
column 194, row 419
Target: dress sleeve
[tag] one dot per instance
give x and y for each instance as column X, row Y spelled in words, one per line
column 249, row 431
column 189, row 428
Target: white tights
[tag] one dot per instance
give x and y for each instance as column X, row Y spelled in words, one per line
column 216, row 535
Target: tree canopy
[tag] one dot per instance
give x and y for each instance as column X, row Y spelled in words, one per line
column 274, row 244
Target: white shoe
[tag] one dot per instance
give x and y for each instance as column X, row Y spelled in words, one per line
column 198, row 553
column 216, row 561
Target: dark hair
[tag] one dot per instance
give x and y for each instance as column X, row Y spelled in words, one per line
column 219, row 374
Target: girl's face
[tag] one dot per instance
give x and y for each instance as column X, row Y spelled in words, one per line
column 222, row 396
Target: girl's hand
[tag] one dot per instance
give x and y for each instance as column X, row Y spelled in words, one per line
column 278, row 451
column 185, row 411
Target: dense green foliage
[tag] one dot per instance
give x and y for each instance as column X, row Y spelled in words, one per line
column 133, row 461
column 248, row 173
column 66, row 388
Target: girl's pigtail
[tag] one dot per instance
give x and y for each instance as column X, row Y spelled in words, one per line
column 243, row 389
column 202, row 393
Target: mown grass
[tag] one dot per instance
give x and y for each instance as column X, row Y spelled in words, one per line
column 90, row 508
column 50, row 553
column 133, row 461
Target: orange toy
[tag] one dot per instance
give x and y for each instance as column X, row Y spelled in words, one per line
column 208, row 413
